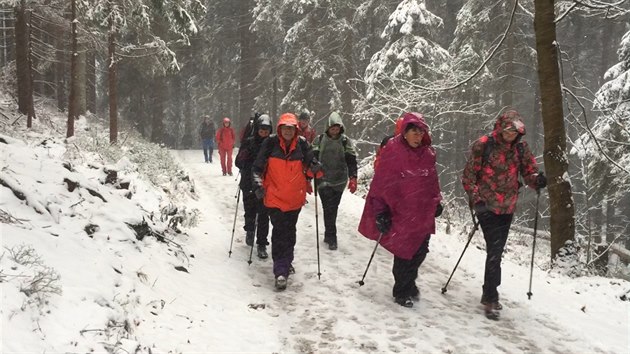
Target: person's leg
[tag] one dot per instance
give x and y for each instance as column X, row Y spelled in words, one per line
column 263, row 223
column 228, row 163
column 330, row 204
column 222, row 156
column 249, row 205
column 283, row 235
column 495, row 231
column 206, row 147
column 406, row 271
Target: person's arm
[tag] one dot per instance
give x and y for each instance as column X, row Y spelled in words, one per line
column 350, row 155
column 529, row 168
column 471, row 172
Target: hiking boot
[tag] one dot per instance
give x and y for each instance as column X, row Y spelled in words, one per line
column 404, row 301
column 332, row 245
column 281, row 282
column 495, row 305
column 490, row 312
column 249, row 238
column 262, row 251
column 225, row 174
column 230, row 173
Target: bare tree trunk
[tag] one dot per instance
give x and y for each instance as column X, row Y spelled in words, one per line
column 81, row 91
column 555, row 151
column 157, row 113
column 90, row 84
column 60, row 69
column 111, row 85
column 72, row 101
column 21, row 57
column 348, row 72
column 247, row 61
column 274, row 95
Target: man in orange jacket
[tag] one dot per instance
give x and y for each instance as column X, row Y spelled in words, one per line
column 279, row 178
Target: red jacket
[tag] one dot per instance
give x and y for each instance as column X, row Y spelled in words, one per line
column 225, row 136
column 282, row 168
column 406, row 186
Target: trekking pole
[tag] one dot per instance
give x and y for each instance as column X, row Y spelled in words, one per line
column 470, row 236
column 531, row 269
column 251, row 250
column 361, row 282
column 238, row 198
column 319, row 274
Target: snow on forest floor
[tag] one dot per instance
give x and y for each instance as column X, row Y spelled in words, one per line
column 119, row 294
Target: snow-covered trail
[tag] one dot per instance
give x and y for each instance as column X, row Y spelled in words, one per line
column 333, row 314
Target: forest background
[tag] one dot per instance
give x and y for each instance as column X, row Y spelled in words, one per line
column 158, row 66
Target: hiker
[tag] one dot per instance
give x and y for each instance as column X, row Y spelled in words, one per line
column 225, row 140
column 337, row 154
column 397, row 130
column 256, row 217
column 279, row 179
column 206, row 132
column 305, row 128
column 491, row 180
column 403, row 202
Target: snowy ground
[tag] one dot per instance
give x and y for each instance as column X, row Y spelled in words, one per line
column 122, row 295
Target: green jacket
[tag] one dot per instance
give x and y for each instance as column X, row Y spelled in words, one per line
column 337, row 156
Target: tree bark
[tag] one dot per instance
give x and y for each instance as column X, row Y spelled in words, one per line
column 81, row 91
column 21, row 57
column 90, row 84
column 72, row 101
column 111, row 85
column 60, row 69
column 555, row 151
column 247, row 61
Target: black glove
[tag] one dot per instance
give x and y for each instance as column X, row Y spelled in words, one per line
column 541, row 181
column 316, row 166
column 260, row 192
column 383, row 222
column 481, row 208
column 439, row 210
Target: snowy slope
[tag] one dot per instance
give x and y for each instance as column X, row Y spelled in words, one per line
column 119, row 294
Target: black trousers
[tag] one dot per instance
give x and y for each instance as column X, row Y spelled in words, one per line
column 283, row 236
column 406, row 271
column 255, row 207
column 330, row 203
column 495, row 231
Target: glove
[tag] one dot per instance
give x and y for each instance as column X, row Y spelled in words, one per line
column 309, row 188
column 352, row 185
column 383, row 222
column 541, row 181
column 481, row 208
column 260, row 193
column 315, row 170
column 439, row 210
column 315, row 166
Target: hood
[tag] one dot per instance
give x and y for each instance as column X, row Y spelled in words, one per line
column 265, row 121
column 416, row 119
column 335, row 119
column 288, row 119
column 398, row 127
column 510, row 120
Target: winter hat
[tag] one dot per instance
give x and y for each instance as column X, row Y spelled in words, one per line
column 288, row 119
column 305, row 116
column 226, row 120
column 264, row 122
column 511, row 121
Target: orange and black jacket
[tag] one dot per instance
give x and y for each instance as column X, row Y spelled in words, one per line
column 280, row 170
